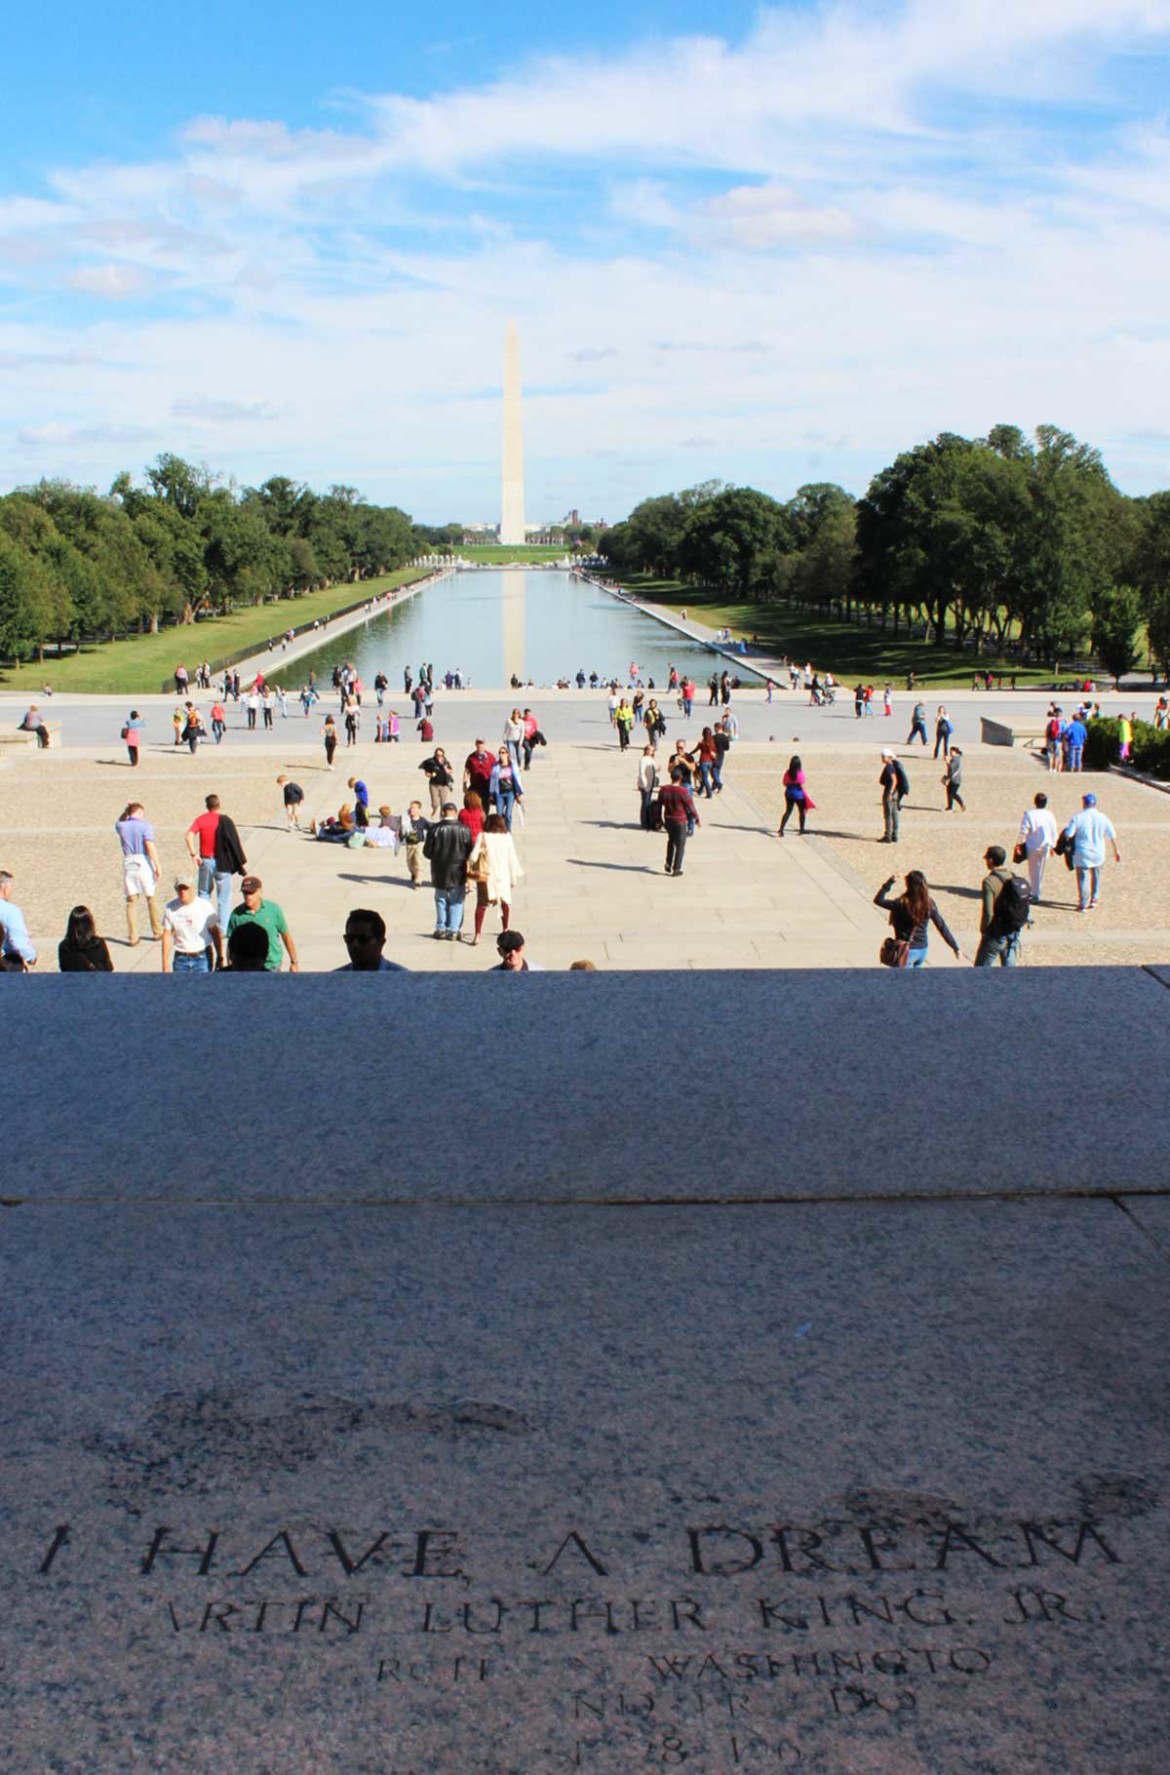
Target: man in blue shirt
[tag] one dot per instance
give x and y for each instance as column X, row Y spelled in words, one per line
column 1074, row 737
column 16, row 951
column 1089, row 832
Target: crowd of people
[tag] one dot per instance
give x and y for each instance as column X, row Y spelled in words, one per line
column 464, row 845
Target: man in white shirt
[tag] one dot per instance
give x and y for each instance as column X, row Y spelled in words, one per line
column 1089, row 832
column 190, row 926
column 1038, row 836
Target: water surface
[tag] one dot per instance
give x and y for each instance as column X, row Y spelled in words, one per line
column 539, row 625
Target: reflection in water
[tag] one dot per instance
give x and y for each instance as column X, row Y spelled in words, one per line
column 491, row 623
column 513, row 622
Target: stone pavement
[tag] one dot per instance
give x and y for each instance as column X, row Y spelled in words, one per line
column 594, row 887
column 411, row 1386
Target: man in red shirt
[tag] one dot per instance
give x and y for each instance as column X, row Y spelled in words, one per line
column 218, row 854
column 679, row 817
column 477, row 773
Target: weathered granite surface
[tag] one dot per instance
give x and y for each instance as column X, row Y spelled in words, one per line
column 840, row 1488
column 608, row 1086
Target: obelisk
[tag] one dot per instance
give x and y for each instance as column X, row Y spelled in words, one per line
column 512, row 508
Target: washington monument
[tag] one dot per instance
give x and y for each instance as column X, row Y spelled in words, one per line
column 512, row 507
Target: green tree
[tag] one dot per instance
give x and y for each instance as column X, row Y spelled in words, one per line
column 1117, row 625
column 732, row 540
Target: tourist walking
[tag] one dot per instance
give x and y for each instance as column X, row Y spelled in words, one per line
column 214, row 845
column 81, row 950
column 688, row 695
column 495, row 868
column 477, row 771
column 17, row 954
column 679, row 818
column 193, row 728
column 505, row 786
column 895, row 786
column 623, row 720
column 917, row 723
column 440, row 776
column 1088, row 833
column 140, row 868
column 132, row 734
column 796, row 796
column 447, row 847
column 647, row 782
column 218, row 721
column 271, row 920
column 1036, row 842
column 952, row 781
column 705, row 757
column 353, row 720
column 911, row 914
column 190, row 928
column 412, row 829
column 942, row 733
column 329, row 736
column 1004, row 913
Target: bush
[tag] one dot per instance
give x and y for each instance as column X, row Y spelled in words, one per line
column 1151, row 748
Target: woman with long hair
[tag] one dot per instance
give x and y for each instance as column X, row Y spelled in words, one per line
column 911, row 915
column 706, row 756
column 505, row 789
column 81, row 950
column 471, row 813
column 495, row 869
column 796, row 796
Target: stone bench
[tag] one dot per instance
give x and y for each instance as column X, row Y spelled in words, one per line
column 1008, row 733
column 23, row 736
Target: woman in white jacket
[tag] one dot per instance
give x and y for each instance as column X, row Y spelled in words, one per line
column 495, row 869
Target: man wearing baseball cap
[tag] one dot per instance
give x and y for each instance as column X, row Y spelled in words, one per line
column 190, row 927
column 510, row 949
column 895, row 784
column 268, row 915
column 1088, row 833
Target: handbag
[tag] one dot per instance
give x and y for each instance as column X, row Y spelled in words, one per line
column 478, row 871
column 1020, row 854
column 894, row 952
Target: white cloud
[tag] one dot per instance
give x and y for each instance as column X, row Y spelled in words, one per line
column 223, row 411
column 113, row 283
column 821, row 237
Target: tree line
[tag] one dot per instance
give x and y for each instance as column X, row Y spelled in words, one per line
column 1007, row 544
column 77, row 565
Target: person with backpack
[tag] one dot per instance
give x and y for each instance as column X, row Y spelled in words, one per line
column 942, row 733
column 895, row 785
column 1007, row 901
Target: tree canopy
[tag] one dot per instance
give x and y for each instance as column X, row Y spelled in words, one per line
column 1005, row 539
column 77, row 565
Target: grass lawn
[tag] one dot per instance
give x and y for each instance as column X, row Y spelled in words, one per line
column 849, row 652
column 140, row 664
column 497, row 554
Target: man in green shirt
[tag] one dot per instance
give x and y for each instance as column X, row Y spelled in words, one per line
column 267, row 914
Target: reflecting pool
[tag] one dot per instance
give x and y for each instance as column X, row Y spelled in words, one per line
column 489, row 624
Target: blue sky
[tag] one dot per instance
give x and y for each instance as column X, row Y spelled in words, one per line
column 769, row 245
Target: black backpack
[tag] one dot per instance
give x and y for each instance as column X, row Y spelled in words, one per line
column 1013, row 906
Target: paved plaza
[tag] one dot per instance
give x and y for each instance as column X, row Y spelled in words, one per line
column 594, row 887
